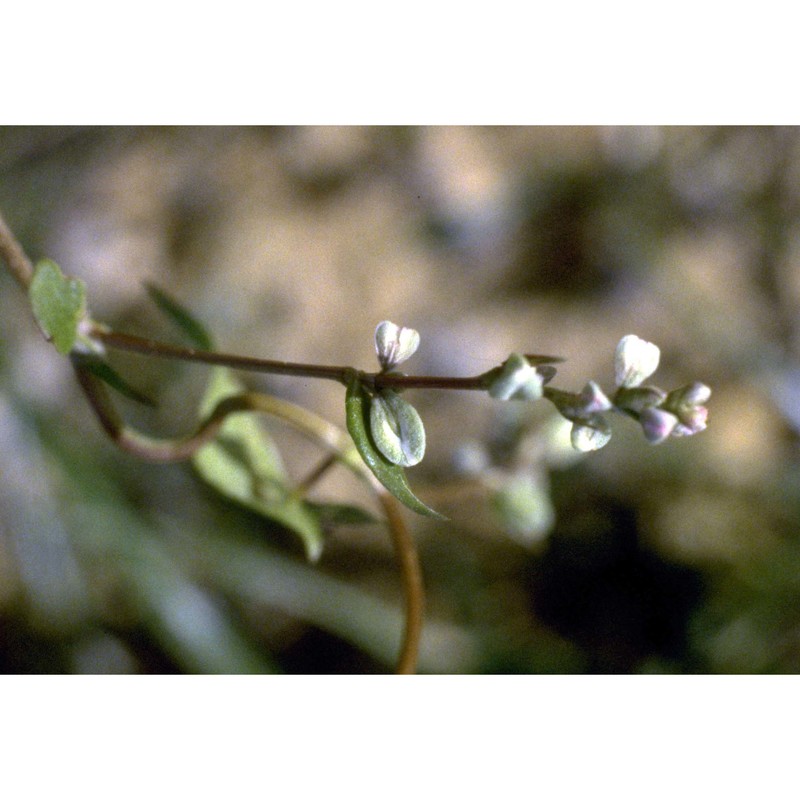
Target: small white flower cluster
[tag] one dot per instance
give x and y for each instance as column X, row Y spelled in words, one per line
column 398, row 432
column 681, row 412
column 661, row 414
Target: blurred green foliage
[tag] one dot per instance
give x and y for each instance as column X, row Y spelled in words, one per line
column 293, row 243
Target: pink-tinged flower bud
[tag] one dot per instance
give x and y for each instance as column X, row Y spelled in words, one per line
column 583, row 406
column 687, row 405
column 657, row 424
column 692, row 421
column 593, row 400
column 635, row 360
column 695, row 394
column 394, row 344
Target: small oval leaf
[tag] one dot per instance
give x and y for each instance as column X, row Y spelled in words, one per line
column 59, row 304
column 392, row 476
column 243, row 463
column 396, row 429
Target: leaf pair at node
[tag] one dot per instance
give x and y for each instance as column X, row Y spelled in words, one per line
column 359, row 405
column 386, row 429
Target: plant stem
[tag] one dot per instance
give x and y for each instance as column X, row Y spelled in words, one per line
column 18, row 263
column 303, row 487
column 413, row 586
column 152, row 347
column 388, row 381
column 179, row 449
column 145, row 447
column 340, row 447
column 374, row 381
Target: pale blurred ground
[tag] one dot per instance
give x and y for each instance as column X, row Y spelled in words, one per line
column 293, row 243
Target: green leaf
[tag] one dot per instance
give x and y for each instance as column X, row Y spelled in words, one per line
column 396, row 429
column 100, row 368
column 243, row 464
column 392, row 476
column 194, row 330
column 59, row 304
column 342, row 514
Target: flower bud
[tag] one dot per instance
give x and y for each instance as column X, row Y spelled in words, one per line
column 686, row 404
column 590, row 434
column 396, row 429
column 635, row 360
column 593, row 399
column 695, row 394
column 517, row 380
column 692, row 421
column 394, row 344
column 657, row 424
column 634, row 401
column 583, row 406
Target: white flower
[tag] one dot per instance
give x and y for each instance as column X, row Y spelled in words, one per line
column 635, row 360
column 517, row 380
column 394, row 344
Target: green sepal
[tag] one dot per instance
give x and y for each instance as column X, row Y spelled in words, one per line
column 243, row 464
column 392, row 476
column 194, row 330
column 58, row 303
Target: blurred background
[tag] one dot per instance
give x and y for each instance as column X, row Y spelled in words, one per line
column 293, row 243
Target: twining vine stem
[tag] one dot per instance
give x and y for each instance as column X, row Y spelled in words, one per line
column 321, row 431
column 680, row 412
column 182, row 448
column 22, row 269
column 18, row 263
